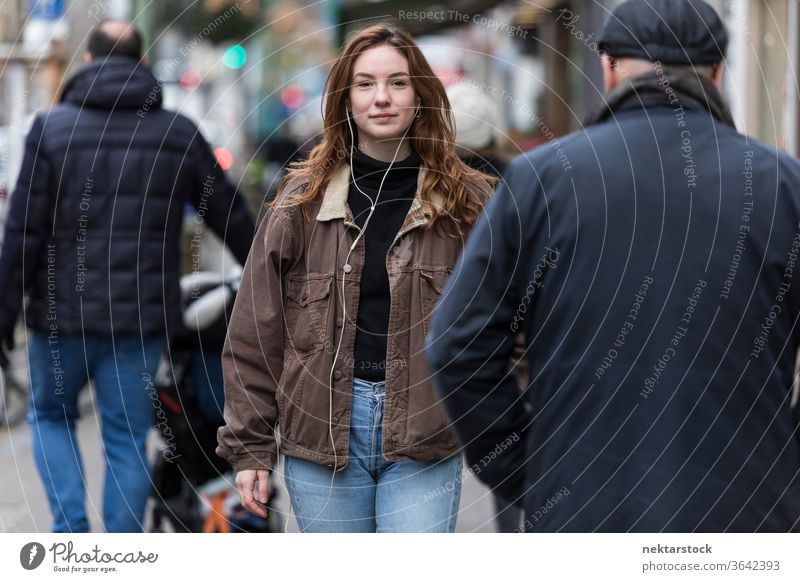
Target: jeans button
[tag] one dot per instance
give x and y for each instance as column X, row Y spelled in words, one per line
column 337, row 375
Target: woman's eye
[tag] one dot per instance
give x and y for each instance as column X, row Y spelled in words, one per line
column 399, row 83
column 364, row 84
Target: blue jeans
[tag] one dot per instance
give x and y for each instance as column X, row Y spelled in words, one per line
column 123, row 369
column 372, row 494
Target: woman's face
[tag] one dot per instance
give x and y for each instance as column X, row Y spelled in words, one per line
column 382, row 99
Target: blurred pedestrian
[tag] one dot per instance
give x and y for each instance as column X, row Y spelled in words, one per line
column 92, row 240
column 477, row 119
column 649, row 261
column 326, row 336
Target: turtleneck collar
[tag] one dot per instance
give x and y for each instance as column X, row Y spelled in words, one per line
column 369, row 171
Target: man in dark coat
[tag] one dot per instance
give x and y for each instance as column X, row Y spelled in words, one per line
column 92, row 239
column 652, row 264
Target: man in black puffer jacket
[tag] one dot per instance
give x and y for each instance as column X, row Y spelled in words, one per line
column 92, row 239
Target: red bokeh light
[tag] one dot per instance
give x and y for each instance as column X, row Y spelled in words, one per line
column 224, row 158
column 293, row 96
column 190, row 80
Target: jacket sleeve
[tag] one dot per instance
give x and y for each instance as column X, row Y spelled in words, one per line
column 27, row 226
column 252, row 359
column 471, row 344
column 219, row 204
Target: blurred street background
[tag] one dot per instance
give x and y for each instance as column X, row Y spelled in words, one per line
column 250, row 73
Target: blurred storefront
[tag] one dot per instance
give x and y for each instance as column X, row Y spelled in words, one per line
column 762, row 86
column 41, row 41
column 29, row 77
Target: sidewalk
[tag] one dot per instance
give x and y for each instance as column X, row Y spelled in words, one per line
column 23, row 506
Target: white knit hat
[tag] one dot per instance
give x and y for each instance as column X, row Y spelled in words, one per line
column 475, row 114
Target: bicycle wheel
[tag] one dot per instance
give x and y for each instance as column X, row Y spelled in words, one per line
column 13, row 400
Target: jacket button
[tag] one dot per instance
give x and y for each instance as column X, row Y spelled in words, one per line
column 337, row 375
column 339, row 322
column 347, row 268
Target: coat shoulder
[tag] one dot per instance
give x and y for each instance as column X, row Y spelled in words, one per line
column 479, row 184
column 287, row 206
column 479, row 187
column 295, row 185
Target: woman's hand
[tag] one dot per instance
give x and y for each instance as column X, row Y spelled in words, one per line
column 246, row 482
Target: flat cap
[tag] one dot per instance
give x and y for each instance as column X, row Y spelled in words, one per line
column 674, row 32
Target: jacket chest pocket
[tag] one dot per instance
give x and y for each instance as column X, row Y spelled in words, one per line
column 308, row 302
column 431, row 287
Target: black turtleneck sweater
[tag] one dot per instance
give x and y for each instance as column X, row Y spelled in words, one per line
column 391, row 209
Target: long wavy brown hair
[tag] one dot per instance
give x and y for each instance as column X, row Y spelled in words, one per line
column 431, row 135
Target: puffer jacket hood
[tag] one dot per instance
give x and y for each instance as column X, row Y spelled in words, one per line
column 113, row 83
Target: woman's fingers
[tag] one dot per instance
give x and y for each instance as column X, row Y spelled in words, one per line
column 245, row 482
column 263, row 489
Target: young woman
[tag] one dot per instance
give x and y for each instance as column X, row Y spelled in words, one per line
column 327, row 334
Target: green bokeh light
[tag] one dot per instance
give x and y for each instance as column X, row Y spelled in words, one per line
column 234, row 57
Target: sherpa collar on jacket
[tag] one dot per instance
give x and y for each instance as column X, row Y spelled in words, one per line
column 334, row 200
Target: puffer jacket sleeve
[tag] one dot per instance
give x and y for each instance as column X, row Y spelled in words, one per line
column 252, row 358
column 27, row 226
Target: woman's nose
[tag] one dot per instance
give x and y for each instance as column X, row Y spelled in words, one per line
column 382, row 95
